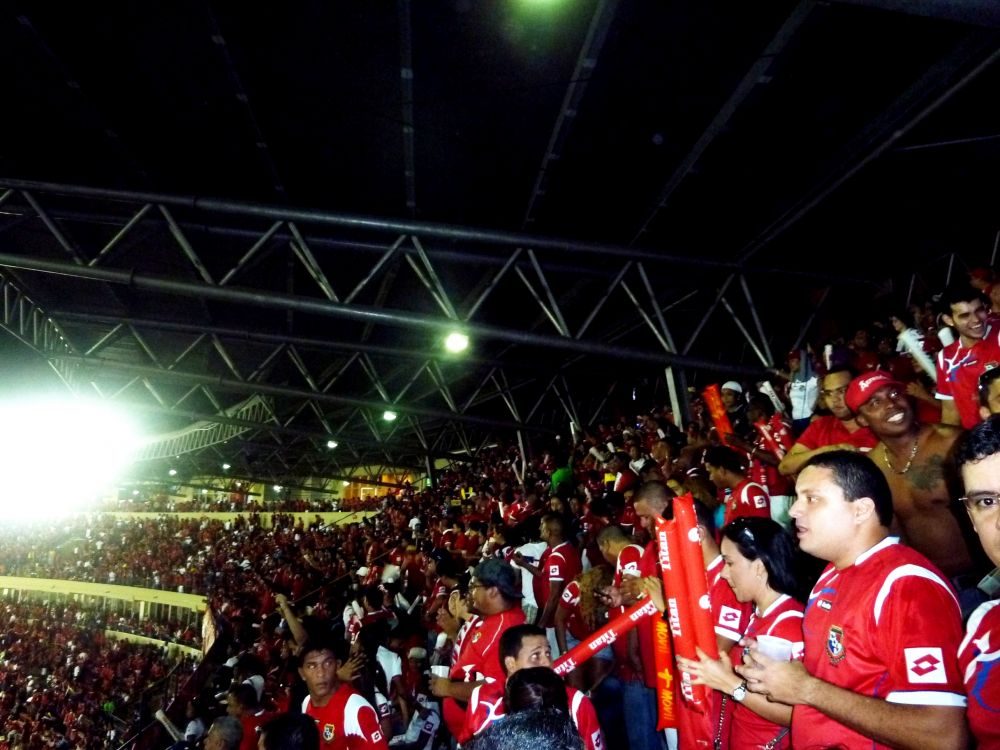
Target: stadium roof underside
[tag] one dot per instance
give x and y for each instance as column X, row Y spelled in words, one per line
column 262, row 221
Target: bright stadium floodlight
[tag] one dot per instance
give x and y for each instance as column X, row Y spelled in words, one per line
column 456, row 342
column 389, row 416
column 347, row 484
column 331, row 444
column 57, row 455
column 277, row 488
column 172, row 472
column 226, row 467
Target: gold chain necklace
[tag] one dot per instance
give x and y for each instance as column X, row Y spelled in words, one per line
column 909, row 463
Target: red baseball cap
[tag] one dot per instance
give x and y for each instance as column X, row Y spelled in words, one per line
column 864, row 386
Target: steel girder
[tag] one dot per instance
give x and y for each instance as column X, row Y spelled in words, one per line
column 189, row 364
column 182, row 360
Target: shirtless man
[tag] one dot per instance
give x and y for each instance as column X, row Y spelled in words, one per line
column 912, row 456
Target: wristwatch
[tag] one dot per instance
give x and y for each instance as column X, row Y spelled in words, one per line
column 740, row 692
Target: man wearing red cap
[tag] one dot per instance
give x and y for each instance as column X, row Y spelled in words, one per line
column 960, row 364
column 912, row 455
column 836, row 431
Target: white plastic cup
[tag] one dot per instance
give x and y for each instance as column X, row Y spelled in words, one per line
column 441, row 671
column 990, row 585
column 774, row 648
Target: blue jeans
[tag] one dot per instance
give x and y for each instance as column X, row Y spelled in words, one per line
column 639, row 703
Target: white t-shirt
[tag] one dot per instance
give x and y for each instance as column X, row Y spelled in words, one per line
column 391, row 664
column 533, row 552
column 417, row 725
column 802, row 395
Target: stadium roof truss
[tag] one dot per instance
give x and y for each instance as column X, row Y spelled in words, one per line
column 255, row 332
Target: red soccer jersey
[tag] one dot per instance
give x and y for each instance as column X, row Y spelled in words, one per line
column 747, row 499
column 487, row 705
column 479, row 658
column 625, row 479
column 557, row 565
column 730, row 616
column 887, row 627
column 979, row 661
column 251, row 728
column 570, row 600
column 958, row 371
column 783, row 619
column 628, row 564
column 829, row 430
column 346, row 722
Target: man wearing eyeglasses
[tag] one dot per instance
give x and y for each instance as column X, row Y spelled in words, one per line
column 494, row 595
column 978, row 458
column 835, row 431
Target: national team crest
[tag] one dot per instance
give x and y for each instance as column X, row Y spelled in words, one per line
column 477, row 636
column 328, row 733
column 835, row 645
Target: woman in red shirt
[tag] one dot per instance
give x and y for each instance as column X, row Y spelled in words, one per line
column 760, row 566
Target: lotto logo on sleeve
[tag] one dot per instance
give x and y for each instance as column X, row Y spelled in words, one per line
column 597, row 741
column 376, row 736
column 729, row 616
column 553, row 570
column 925, row 666
column 759, row 501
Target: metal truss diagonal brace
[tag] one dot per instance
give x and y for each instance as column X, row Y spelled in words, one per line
column 397, row 318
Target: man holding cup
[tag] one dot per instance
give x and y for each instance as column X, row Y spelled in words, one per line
column 882, row 628
column 494, row 595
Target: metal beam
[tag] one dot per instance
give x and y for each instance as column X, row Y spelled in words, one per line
column 974, row 12
column 590, row 50
column 751, row 79
column 97, row 365
column 573, row 248
column 264, row 337
column 287, row 302
column 406, row 103
column 978, row 50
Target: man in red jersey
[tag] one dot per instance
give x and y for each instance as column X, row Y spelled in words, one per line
column 524, row 647
column 495, row 596
column 559, row 564
column 881, row 630
column 344, row 719
column 978, row 459
column 960, row 364
column 835, row 431
column 727, row 471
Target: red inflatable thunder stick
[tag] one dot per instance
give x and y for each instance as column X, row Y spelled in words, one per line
column 664, row 659
column 690, row 615
column 717, row 410
column 775, row 435
column 607, row 635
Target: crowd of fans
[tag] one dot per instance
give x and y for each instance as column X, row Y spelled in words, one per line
column 63, row 683
column 234, row 499
column 428, row 622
